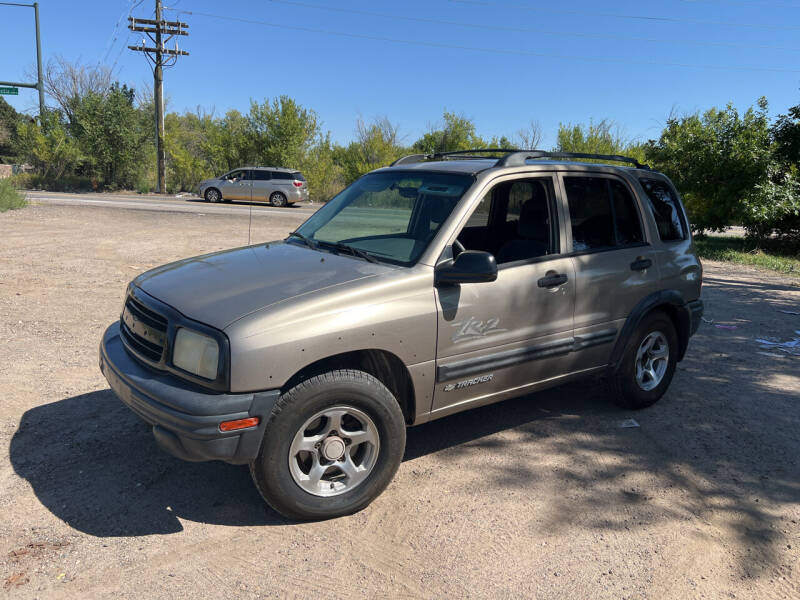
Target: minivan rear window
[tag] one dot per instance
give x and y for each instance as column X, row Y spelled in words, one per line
column 299, row 176
column 285, row 175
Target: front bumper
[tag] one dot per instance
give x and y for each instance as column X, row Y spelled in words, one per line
column 185, row 418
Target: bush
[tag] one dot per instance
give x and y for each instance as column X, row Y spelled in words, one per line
column 142, row 186
column 65, row 183
column 10, row 198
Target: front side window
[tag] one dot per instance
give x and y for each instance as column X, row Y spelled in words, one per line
column 603, row 214
column 665, row 210
column 392, row 216
column 527, row 230
column 514, row 221
column 234, row 175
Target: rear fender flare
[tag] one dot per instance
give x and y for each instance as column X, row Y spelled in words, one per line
column 671, row 302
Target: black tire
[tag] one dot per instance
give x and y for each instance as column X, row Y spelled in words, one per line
column 278, row 199
column 271, row 472
column 212, row 195
column 625, row 390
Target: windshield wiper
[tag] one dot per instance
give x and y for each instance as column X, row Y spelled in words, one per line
column 352, row 250
column 306, row 240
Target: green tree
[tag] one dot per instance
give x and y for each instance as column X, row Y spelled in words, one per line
column 324, row 175
column 603, row 137
column 457, row 132
column 716, row 160
column 49, row 147
column 282, row 131
column 10, row 119
column 112, row 136
column 376, row 145
column 233, row 143
column 773, row 205
column 786, row 133
column 197, row 145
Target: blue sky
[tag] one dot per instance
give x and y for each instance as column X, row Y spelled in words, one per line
column 501, row 63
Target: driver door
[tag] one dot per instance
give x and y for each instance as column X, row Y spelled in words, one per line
column 498, row 338
column 237, row 185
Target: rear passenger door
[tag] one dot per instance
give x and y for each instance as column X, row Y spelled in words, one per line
column 261, row 185
column 614, row 264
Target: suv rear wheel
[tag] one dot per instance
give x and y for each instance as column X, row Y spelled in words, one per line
column 333, row 443
column 648, row 363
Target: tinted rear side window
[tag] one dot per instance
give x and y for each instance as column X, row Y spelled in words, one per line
column 665, row 210
column 282, row 175
column 590, row 213
column 629, row 229
column 603, row 213
column 261, row 175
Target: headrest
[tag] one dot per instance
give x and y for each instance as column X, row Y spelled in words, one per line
column 533, row 220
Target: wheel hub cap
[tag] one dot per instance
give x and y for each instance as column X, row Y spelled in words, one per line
column 334, row 451
column 652, row 359
column 333, row 448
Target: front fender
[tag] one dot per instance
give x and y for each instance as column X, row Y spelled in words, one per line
column 397, row 315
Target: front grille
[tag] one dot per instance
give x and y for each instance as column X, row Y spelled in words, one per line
column 144, row 331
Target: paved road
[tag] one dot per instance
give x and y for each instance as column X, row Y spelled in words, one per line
column 190, row 204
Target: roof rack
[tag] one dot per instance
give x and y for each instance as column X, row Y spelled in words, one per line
column 520, row 157
column 514, row 157
column 468, row 154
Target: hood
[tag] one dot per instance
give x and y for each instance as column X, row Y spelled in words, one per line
column 220, row 288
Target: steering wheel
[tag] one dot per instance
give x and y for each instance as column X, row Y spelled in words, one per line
column 459, row 247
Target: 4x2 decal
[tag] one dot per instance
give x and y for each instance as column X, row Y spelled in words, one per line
column 474, row 328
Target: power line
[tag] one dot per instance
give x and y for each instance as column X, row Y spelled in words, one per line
column 575, row 11
column 744, row 3
column 534, row 30
column 502, row 51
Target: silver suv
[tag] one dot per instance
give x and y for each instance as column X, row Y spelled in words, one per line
column 433, row 286
column 278, row 186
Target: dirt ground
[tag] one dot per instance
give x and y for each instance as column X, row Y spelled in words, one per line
column 546, row 496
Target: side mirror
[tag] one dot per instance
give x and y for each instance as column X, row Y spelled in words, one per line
column 471, row 266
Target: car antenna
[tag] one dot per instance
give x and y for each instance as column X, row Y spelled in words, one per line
column 250, row 222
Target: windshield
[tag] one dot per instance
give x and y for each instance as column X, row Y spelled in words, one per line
column 392, row 216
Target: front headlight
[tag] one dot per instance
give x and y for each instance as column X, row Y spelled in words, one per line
column 196, row 353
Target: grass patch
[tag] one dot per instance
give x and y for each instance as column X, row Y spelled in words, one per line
column 10, row 198
column 772, row 255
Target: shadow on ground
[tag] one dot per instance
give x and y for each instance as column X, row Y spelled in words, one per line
column 96, row 466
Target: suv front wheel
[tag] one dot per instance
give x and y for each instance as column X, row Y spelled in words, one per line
column 648, row 363
column 332, row 444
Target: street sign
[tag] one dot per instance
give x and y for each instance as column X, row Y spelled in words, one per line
column 9, row 91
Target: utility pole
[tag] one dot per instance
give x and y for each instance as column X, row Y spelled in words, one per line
column 160, row 33
column 39, row 85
